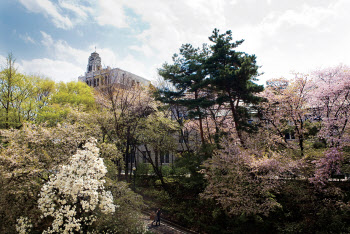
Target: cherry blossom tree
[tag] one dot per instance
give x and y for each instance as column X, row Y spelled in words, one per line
column 330, row 100
column 245, row 182
column 318, row 103
column 327, row 165
column 287, row 109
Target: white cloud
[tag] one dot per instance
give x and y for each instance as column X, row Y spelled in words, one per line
column 2, row 61
column 61, row 50
column 283, row 36
column 59, row 13
column 133, row 65
column 68, row 63
column 293, row 35
column 56, row 69
column 27, row 39
column 47, row 39
column 172, row 23
column 50, row 10
column 144, row 49
column 110, row 12
column 75, row 8
column 308, row 16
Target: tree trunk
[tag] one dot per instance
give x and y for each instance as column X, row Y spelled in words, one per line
column 235, row 121
column 200, row 119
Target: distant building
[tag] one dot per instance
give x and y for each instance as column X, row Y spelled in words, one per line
column 277, row 84
column 96, row 76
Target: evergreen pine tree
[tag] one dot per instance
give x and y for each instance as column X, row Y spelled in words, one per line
column 188, row 77
column 232, row 75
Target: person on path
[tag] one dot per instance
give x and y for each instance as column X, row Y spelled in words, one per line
column 158, row 217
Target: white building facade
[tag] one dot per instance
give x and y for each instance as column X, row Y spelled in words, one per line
column 96, row 76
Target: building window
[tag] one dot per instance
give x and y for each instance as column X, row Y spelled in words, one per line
column 290, row 136
column 164, row 158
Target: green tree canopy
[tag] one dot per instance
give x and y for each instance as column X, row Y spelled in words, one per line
column 218, row 75
column 232, row 76
column 187, row 75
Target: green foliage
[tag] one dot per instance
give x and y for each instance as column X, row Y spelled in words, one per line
column 64, row 99
column 306, row 211
column 16, row 90
column 188, row 76
column 157, row 132
column 127, row 217
column 232, row 74
column 26, row 98
column 27, row 159
column 188, row 165
column 77, row 94
column 144, row 169
column 205, row 81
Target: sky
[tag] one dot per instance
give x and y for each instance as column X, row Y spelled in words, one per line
column 54, row 38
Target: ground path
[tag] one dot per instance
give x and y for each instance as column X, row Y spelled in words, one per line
column 165, row 226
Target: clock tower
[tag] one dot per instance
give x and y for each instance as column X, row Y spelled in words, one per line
column 94, row 63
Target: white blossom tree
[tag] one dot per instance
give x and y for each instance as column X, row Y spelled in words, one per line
column 76, row 192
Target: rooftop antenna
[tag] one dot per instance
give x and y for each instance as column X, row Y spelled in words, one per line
column 95, row 48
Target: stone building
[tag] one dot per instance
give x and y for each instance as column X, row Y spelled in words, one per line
column 96, row 76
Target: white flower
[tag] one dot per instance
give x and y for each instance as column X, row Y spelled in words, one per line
column 76, row 187
column 23, row 225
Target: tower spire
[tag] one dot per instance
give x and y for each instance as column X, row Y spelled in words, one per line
column 94, row 62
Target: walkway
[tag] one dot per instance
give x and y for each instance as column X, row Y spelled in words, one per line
column 165, row 227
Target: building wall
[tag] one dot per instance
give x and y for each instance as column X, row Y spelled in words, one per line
column 109, row 76
column 96, row 76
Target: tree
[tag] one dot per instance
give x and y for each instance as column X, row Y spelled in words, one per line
column 207, row 81
column 243, row 182
column 156, row 133
column 56, row 101
column 77, row 94
column 39, row 99
column 14, row 90
column 76, row 191
column 287, row 110
column 122, row 109
column 232, row 75
column 27, row 157
column 187, row 75
column 330, row 101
